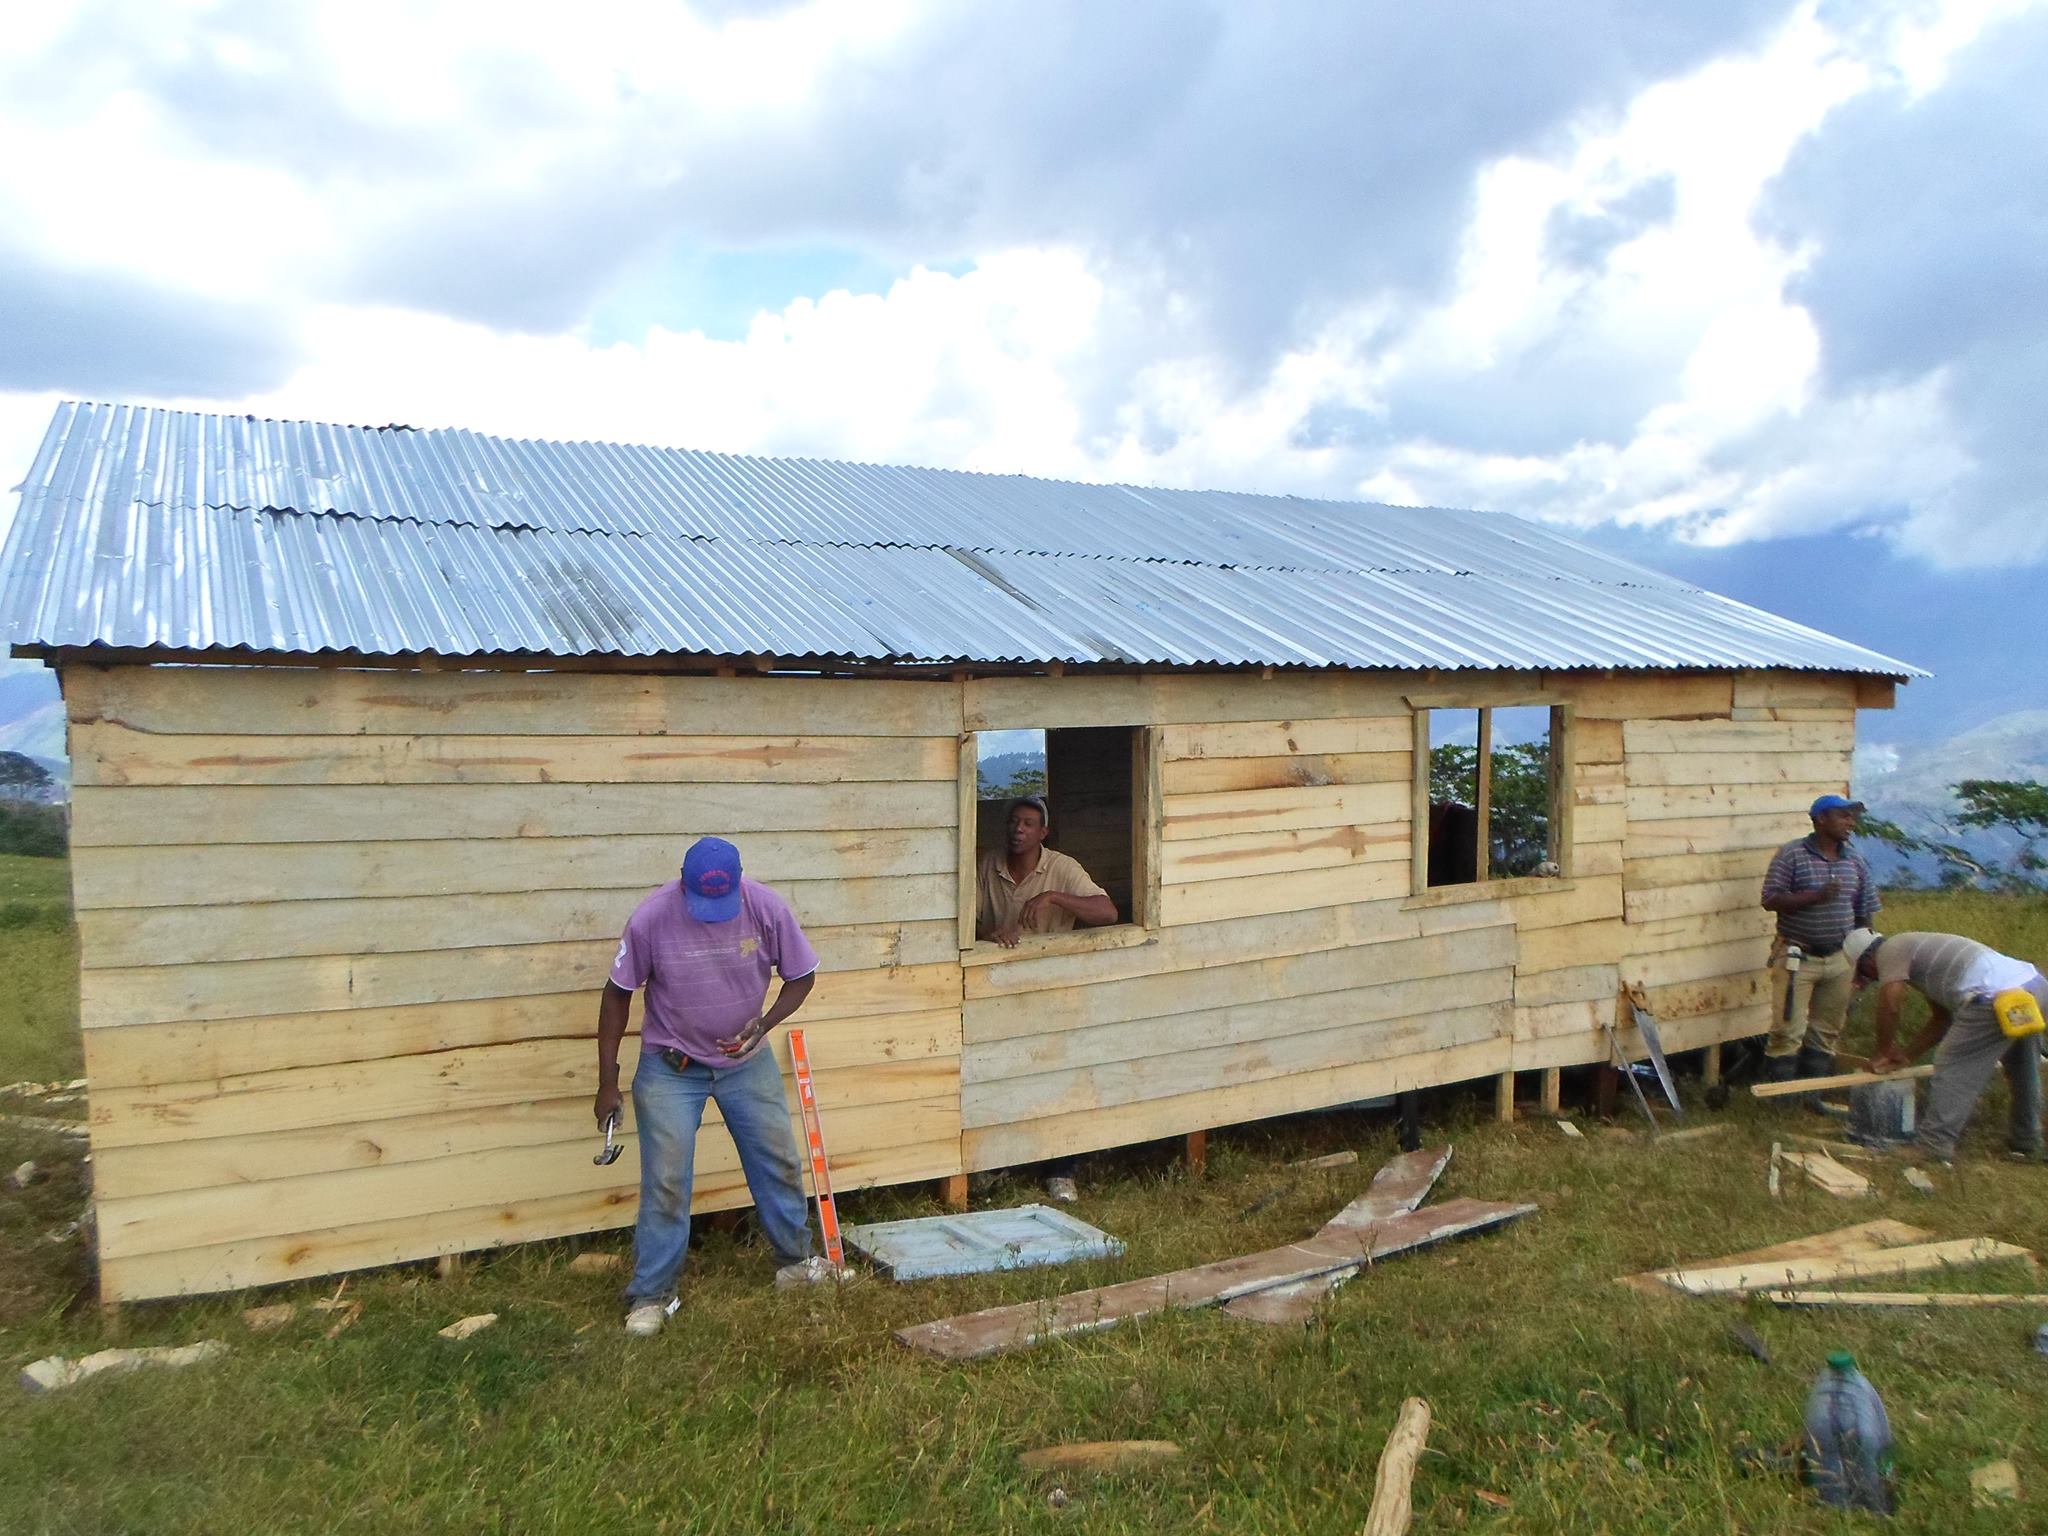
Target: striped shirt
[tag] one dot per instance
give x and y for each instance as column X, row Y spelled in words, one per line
column 1820, row 928
column 1951, row 970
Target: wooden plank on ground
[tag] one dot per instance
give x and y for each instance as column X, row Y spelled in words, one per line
column 1756, row 1275
column 997, row 1330
column 1838, row 1080
column 1806, row 1298
column 1398, row 1188
column 1862, row 1237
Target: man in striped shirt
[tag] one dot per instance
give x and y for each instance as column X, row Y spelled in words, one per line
column 1820, row 888
column 1959, row 978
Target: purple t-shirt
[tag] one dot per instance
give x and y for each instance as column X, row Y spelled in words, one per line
column 707, row 981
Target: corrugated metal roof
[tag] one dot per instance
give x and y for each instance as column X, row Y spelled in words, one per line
column 145, row 528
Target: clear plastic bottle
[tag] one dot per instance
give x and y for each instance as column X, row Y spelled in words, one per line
column 1848, row 1439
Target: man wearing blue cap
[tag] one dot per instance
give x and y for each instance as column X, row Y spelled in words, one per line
column 1821, row 889
column 704, row 947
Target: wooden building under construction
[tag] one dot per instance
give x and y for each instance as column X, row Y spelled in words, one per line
column 378, row 736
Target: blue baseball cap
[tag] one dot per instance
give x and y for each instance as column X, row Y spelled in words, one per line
column 711, row 880
column 1834, row 803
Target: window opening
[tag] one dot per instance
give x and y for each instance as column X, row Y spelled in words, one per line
column 1089, row 779
column 1493, row 794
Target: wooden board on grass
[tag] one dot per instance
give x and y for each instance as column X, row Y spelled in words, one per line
column 1919, row 1258
column 1865, row 1236
column 997, row 1330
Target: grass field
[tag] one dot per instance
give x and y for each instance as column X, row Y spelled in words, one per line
column 1562, row 1402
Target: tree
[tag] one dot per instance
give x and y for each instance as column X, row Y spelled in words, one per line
column 1519, row 837
column 23, row 778
column 2018, row 808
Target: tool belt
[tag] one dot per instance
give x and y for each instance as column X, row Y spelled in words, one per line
column 2018, row 1013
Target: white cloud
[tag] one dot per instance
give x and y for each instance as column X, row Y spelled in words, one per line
column 1180, row 252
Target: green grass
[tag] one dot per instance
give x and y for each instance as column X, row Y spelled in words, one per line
column 38, row 971
column 1587, row 1406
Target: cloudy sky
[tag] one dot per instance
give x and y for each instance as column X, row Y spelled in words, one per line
column 1753, row 290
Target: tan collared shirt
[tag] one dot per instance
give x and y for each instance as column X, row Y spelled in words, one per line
column 1000, row 900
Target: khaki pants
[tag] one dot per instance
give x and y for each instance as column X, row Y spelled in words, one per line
column 1820, row 1002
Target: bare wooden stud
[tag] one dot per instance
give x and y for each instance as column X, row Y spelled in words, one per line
column 1504, row 1098
column 1197, row 1152
column 1550, row 1096
column 1710, row 1065
column 1392, row 1511
column 448, row 1267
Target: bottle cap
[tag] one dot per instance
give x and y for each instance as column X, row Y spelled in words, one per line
column 1842, row 1360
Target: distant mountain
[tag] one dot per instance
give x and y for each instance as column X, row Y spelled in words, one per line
column 1911, row 785
column 32, row 715
column 998, row 772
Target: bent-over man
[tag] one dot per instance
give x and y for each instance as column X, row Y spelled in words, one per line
column 704, row 947
column 1820, row 888
column 1026, row 887
column 1967, row 985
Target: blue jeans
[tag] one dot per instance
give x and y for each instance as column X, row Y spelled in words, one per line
column 668, row 1107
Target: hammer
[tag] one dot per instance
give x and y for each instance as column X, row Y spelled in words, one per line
column 612, row 1149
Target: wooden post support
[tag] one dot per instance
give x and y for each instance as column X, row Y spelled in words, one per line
column 1606, row 1089
column 1197, row 1152
column 113, row 1324
column 1551, row 1094
column 1710, row 1065
column 448, row 1266
column 953, row 1192
column 1392, row 1510
column 1504, row 1098
column 1409, row 1106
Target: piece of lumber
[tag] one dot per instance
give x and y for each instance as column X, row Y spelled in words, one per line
column 597, row 1263
column 265, row 1319
column 1690, row 1133
column 1865, row 1236
column 1824, row 1173
column 1328, row 1160
column 1098, row 1456
column 1730, row 1279
column 1392, row 1511
column 996, row 1330
column 1797, row 1297
column 56, row 1372
column 1398, row 1188
column 1838, row 1080
column 463, row 1327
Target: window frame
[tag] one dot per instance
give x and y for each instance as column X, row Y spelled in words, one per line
column 1485, row 886
column 1139, row 926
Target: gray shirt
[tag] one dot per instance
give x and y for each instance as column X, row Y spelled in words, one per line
column 1951, row 970
column 1820, row 929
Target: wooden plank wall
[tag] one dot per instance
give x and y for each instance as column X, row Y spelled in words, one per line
column 343, row 931
column 1709, row 801
column 1294, row 968
column 343, row 935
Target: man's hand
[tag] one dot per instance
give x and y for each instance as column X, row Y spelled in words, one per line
column 746, row 1039
column 1036, row 908
column 609, row 1102
column 1889, row 1061
column 1009, row 934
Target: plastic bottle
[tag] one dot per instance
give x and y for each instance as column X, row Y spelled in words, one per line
column 1848, row 1439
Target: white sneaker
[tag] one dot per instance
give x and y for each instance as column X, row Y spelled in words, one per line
column 1062, row 1189
column 812, row 1271
column 645, row 1320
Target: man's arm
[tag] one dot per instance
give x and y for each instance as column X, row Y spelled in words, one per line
column 788, row 999
column 1888, row 1057
column 1089, row 911
column 612, row 1012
